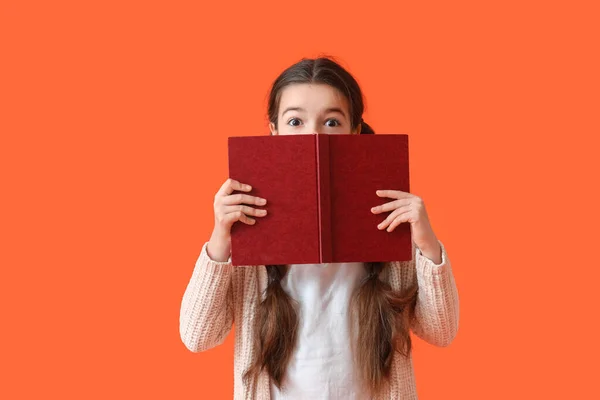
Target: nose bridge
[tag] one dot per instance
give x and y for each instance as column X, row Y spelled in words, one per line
column 312, row 126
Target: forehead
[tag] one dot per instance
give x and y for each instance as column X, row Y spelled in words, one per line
column 312, row 97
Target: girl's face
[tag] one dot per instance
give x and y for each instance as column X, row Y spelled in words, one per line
column 312, row 108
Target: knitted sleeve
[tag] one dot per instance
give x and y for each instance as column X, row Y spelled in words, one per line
column 437, row 308
column 206, row 314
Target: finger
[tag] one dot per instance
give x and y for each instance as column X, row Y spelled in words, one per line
column 393, row 194
column 230, row 185
column 240, row 198
column 399, row 219
column 392, row 205
column 231, row 218
column 246, row 210
column 393, row 216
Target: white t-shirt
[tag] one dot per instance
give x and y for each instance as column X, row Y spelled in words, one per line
column 322, row 365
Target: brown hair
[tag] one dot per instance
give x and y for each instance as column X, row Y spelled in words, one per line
column 383, row 314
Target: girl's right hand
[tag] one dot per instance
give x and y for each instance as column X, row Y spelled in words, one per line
column 230, row 208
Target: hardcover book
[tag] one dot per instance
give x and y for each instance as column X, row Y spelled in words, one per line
column 320, row 189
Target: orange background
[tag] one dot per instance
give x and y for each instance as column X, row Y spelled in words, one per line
column 114, row 120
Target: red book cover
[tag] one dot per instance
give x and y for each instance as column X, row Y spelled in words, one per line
column 319, row 189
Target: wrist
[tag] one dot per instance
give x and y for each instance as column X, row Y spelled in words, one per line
column 432, row 250
column 219, row 246
column 220, row 234
column 428, row 244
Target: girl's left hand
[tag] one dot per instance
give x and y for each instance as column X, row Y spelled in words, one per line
column 407, row 207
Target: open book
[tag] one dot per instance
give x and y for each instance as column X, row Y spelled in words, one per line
column 320, row 189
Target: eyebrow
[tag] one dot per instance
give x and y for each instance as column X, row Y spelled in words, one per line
column 327, row 111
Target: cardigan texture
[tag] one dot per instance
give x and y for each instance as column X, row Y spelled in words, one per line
column 219, row 295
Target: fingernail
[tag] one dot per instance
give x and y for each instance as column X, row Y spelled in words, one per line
column 248, row 187
column 262, row 201
column 262, row 212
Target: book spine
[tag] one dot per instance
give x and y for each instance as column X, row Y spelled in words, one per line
column 324, row 197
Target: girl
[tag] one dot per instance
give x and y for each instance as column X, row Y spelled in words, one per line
column 320, row 331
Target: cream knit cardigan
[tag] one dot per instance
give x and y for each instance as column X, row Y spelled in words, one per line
column 219, row 295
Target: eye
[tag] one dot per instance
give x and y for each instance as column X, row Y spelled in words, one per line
column 337, row 123
column 294, row 119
